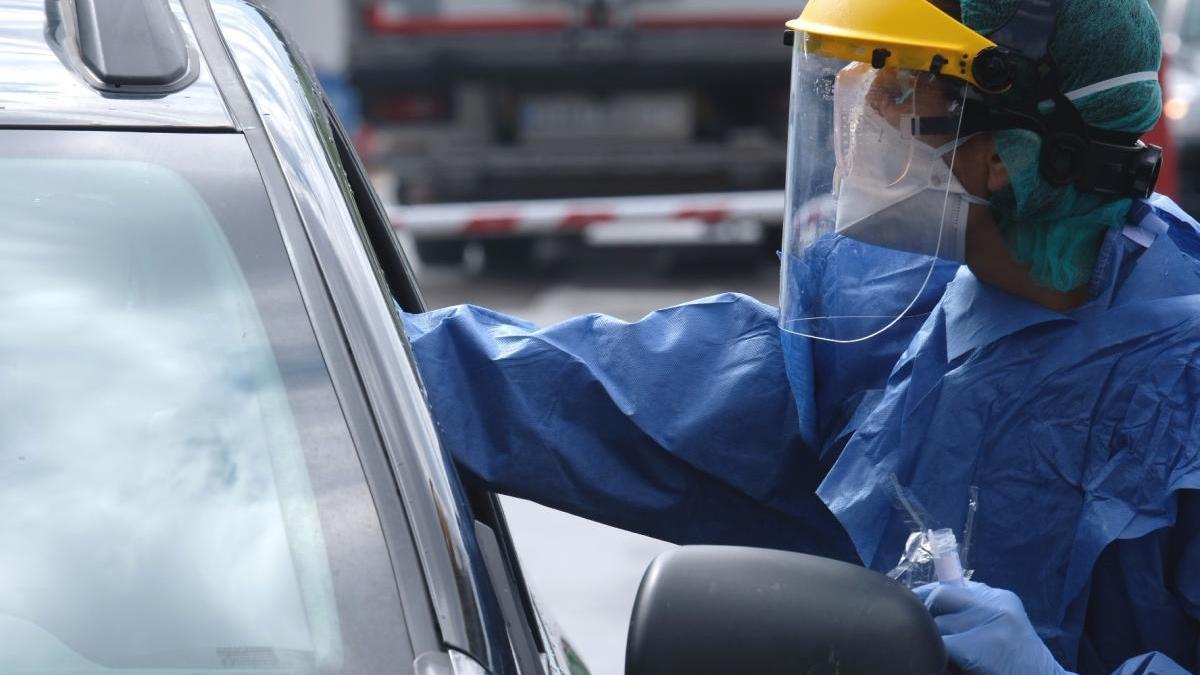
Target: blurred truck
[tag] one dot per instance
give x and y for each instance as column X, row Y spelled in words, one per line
column 472, row 101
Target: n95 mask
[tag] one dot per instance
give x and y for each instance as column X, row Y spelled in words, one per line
column 901, row 193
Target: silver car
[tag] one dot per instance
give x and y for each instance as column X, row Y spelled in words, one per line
column 215, row 454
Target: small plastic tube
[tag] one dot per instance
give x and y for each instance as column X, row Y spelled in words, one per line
column 944, row 548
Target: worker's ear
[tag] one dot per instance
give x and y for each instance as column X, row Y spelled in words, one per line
column 978, row 166
column 997, row 173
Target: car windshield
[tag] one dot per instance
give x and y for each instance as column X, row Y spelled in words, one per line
column 178, row 489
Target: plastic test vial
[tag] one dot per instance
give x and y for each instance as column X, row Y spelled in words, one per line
column 943, row 546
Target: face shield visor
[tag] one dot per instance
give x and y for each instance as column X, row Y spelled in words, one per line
column 872, row 202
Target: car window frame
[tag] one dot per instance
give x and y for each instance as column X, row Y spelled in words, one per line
column 397, row 273
column 285, row 129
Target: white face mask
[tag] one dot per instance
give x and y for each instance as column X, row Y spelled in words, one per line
column 899, row 193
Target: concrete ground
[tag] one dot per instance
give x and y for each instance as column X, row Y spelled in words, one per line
column 584, row 573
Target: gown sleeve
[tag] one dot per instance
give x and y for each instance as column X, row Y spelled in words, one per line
column 680, row 426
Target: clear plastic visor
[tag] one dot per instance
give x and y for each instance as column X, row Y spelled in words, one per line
column 873, row 202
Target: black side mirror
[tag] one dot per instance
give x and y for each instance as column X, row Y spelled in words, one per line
column 707, row 609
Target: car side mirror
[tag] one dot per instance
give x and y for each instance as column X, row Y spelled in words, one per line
column 713, row 609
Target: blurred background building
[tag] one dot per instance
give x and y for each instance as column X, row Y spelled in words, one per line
column 1180, row 21
column 555, row 157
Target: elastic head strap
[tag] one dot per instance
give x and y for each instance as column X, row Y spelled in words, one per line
column 1021, row 76
column 1094, row 160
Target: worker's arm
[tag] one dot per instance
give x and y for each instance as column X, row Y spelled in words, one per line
column 680, row 426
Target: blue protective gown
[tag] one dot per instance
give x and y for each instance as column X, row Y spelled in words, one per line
column 1081, row 432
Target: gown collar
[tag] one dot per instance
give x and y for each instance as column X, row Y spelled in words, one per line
column 1136, row 263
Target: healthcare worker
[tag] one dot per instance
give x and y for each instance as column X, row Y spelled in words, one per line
column 1045, row 394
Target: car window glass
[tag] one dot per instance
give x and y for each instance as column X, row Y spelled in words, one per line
column 139, row 376
column 159, row 506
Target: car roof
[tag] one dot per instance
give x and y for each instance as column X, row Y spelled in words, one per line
column 46, row 84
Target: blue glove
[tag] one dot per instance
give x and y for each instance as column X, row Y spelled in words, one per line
column 986, row 631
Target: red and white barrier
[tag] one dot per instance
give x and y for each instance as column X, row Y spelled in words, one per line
column 571, row 216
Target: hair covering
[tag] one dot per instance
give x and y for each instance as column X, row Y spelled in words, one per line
column 1057, row 230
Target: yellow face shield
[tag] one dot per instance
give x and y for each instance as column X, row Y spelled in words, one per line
column 912, row 35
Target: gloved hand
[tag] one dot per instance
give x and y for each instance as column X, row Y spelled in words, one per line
column 986, row 630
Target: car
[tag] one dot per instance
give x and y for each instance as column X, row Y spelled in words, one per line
column 215, row 449
column 217, row 454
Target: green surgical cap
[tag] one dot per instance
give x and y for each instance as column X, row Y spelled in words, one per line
column 1056, row 230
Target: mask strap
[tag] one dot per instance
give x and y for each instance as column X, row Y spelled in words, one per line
column 1112, row 83
column 950, row 146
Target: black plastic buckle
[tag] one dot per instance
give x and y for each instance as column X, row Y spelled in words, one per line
column 1143, row 171
column 993, row 70
column 1063, row 158
column 1115, row 170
